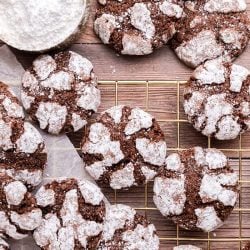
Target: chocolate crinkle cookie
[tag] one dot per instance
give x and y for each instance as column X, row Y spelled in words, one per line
column 60, row 93
column 137, row 27
column 186, row 247
column 123, row 147
column 211, row 29
column 196, row 189
column 125, row 229
column 217, row 99
column 22, row 149
column 73, row 215
column 19, row 213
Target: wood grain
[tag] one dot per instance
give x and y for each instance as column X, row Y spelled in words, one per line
column 162, row 103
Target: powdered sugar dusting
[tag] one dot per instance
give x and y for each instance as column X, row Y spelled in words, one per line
column 13, row 109
column 115, row 113
column 90, row 192
column 43, row 66
column 152, row 152
column 141, row 238
column 27, row 221
column 170, row 9
column 207, row 219
column 51, row 115
column 136, row 45
column 80, row 66
column 30, row 140
column 212, row 71
column 238, row 75
column 199, row 49
column 215, row 159
column 45, row 197
column 8, row 228
column 141, row 19
column 15, row 192
column 169, row 195
column 77, row 122
column 5, row 135
column 100, row 143
column 148, row 173
column 229, row 128
column 211, row 190
column 173, row 162
column 90, row 99
column 225, row 6
column 60, row 81
column 123, row 178
column 116, row 217
column 104, row 27
column 194, row 103
column 138, row 120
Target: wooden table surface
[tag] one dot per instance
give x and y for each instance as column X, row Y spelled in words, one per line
column 164, row 100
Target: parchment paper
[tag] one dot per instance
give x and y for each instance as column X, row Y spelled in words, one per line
column 63, row 159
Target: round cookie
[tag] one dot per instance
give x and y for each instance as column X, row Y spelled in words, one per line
column 217, row 99
column 186, row 247
column 123, row 147
column 73, row 215
column 211, row 29
column 22, row 149
column 137, row 27
column 196, row 189
column 60, row 93
column 125, row 229
column 19, row 213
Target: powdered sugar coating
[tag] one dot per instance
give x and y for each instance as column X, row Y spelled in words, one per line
column 211, row 29
column 22, row 149
column 123, row 227
column 169, row 195
column 60, row 92
column 137, row 121
column 124, row 147
column 211, row 104
column 15, row 192
column 19, row 213
column 196, row 189
column 202, row 47
column 75, row 216
column 137, row 28
column 123, row 178
column 225, row 6
column 45, row 197
column 207, row 219
column 186, row 247
column 153, row 153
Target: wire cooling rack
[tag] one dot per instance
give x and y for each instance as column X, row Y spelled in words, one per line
column 163, row 99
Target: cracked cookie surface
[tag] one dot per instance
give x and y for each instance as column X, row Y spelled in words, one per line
column 123, row 147
column 22, row 149
column 217, row 99
column 73, row 215
column 125, row 229
column 211, row 29
column 19, row 213
column 196, row 189
column 137, row 27
column 60, row 93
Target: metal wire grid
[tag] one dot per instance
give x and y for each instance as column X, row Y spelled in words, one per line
column 240, row 239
